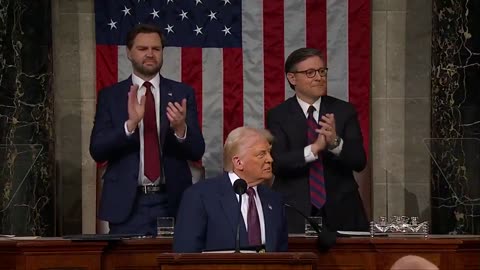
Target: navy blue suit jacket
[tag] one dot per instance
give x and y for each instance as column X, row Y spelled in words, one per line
column 109, row 143
column 208, row 216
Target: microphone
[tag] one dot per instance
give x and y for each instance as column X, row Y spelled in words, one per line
column 325, row 239
column 239, row 187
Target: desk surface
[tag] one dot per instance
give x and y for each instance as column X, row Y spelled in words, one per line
column 348, row 253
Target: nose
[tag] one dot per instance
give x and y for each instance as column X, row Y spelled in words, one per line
column 269, row 158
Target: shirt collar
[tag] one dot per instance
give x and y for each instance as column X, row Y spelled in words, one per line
column 304, row 105
column 233, row 177
column 155, row 81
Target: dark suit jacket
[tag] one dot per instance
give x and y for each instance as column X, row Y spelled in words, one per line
column 109, row 142
column 343, row 209
column 208, row 218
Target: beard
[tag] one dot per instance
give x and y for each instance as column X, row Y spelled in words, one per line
column 147, row 71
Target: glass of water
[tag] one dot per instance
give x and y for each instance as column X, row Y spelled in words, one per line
column 309, row 231
column 165, row 226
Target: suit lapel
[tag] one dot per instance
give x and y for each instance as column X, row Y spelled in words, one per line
column 297, row 121
column 229, row 204
column 166, row 95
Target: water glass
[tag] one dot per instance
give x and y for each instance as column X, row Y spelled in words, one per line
column 165, row 226
column 309, row 231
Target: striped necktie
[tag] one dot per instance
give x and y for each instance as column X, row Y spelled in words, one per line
column 318, row 194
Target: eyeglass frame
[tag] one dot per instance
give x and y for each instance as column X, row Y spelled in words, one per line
column 324, row 69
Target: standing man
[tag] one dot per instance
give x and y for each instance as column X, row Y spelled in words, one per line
column 318, row 144
column 209, row 212
column 146, row 128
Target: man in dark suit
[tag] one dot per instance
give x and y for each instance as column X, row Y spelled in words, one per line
column 317, row 146
column 209, row 211
column 146, row 129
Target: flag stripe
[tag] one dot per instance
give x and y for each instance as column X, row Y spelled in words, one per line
column 172, row 57
column 213, row 110
column 295, row 32
column 337, row 48
column 359, row 63
column 252, row 44
column 192, row 73
column 124, row 68
column 273, row 36
column 106, row 58
column 233, row 89
column 316, row 25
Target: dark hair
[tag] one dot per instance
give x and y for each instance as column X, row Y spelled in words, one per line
column 144, row 28
column 298, row 56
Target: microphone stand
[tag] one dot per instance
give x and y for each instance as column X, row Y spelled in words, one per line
column 240, row 187
column 325, row 239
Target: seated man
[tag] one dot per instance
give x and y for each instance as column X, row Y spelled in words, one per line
column 209, row 211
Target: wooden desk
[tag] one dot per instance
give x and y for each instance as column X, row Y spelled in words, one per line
column 349, row 253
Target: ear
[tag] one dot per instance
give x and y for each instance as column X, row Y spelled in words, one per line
column 128, row 54
column 291, row 78
column 237, row 163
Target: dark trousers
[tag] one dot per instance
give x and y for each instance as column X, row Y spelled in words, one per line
column 143, row 217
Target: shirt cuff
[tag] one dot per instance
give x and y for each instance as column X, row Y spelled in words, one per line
column 307, row 153
column 181, row 139
column 128, row 133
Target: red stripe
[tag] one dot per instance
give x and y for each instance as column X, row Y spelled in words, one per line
column 316, row 16
column 317, row 197
column 232, row 90
column 317, row 186
column 107, row 65
column 273, row 54
column 192, row 74
column 359, row 63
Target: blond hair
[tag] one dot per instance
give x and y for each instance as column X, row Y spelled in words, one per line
column 240, row 139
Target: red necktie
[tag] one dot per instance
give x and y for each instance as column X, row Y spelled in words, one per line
column 316, row 178
column 253, row 221
column 150, row 137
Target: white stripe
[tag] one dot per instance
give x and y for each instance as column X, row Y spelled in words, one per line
column 337, row 48
column 172, row 59
column 212, row 94
column 124, row 65
column 252, row 44
column 295, row 31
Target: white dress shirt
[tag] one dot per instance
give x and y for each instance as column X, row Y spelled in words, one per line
column 244, row 206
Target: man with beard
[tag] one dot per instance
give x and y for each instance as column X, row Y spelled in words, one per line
column 146, row 129
column 318, row 144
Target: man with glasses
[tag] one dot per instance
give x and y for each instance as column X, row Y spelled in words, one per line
column 317, row 146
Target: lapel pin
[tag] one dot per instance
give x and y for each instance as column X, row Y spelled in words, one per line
column 269, row 207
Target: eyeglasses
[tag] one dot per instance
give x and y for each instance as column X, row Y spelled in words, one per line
column 310, row 73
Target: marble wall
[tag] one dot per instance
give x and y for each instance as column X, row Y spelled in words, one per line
column 27, row 146
column 456, row 117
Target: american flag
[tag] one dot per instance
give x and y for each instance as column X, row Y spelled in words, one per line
column 232, row 53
